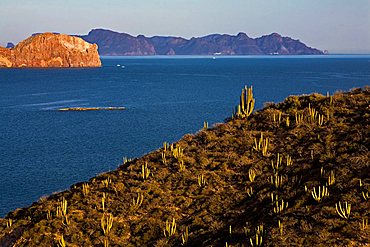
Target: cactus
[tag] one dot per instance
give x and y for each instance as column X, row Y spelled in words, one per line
column 178, row 153
column 287, row 121
column 277, row 180
column 277, row 119
column 164, row 160
column 280, row 206
column 106, row 223
column 136, row 203
column 257, row 240
column 322, row 171
column 298, row 118
column 364, row 224
column 182, row 167
column 145, row 171
column 62, row 242
column 246, row 104
column 63, row 206
column 331, row 178
column 48, row 215
column 185, row 237
column 328, row 114
column 251, row 174
column 205, row 125
column 170, row 228
column 262, row 144
column 126, row 160
column 274, row 197
column 9, row 223
column 320, row 193
column 250, row 191
column 103, row 201
column 289, row 161
column 311, row 113
column 365, row 195
column 201, row 181
column 58, row 212
column 166, row 146
column 320, row 119
column 85, row 189
column 106, row 182
column 276, row 166
column 66, row 221
column 343, row 210
column 281, row 228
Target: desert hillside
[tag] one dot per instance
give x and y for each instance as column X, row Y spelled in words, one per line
column 295, row 173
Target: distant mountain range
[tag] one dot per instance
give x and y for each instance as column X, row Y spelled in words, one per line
column 112, row 43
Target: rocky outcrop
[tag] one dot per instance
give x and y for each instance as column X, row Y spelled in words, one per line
column 121, row 44
column 5, row 57
column 51, row 50
column 110, row 108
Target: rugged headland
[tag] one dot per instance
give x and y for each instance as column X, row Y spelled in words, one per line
column 295, row 173
column 112, row 43
column 50, row 50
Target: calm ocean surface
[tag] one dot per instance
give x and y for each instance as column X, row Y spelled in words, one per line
column 43, row 150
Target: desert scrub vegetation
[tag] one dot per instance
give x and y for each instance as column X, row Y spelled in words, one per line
column 294, row 173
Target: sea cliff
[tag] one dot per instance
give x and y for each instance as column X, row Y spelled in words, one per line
column 51, row 50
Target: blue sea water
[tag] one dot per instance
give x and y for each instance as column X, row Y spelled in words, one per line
column 43, row 150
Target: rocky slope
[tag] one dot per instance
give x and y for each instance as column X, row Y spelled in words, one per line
column 114, row 44
column 51, row 50
column 292, row 174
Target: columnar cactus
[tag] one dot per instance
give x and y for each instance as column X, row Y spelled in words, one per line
column 246, row 105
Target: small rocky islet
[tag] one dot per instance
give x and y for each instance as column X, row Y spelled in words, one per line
column 50, row 50
column 110, row 108
column 295, row 173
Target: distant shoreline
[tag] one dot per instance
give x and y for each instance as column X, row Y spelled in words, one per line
column 238, row 56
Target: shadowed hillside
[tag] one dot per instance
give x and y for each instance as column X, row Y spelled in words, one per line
column 295, row 173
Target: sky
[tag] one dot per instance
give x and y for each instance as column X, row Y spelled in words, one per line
column 339, row 26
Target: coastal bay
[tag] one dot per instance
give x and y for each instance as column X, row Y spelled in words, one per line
column 44, row 151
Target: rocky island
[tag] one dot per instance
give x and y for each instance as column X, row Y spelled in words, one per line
column 122, row 44
column 51, row 50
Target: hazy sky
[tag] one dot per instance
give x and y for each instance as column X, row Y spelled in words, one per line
column 340, row 26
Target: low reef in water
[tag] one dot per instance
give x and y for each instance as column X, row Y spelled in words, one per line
column 111, row 108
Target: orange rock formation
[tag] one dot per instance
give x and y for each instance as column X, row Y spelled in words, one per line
column 51, row 50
